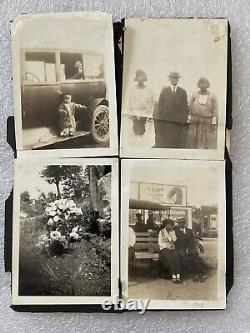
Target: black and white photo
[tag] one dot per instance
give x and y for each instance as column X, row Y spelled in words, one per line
column 174, row 88
column 65, row 231
column 64, row 88
column 173, row 233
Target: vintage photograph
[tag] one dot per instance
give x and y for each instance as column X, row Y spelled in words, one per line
column 64, row 86
column 174, row 88
column 65, row 231
column 173, row 233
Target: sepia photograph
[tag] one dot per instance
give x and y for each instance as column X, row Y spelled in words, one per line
column 174, row 88
column 65, row 231
column 64, row 83
column 173, row 233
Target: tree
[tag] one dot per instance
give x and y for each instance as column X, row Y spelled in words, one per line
column 42, row 200
column 56, row 174
column 92, row 174
column 25, row 196
column 51, row 196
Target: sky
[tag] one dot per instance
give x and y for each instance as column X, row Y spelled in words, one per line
column 201, row 182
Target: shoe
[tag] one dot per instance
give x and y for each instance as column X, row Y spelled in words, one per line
column 202, row 279
column 196, row 279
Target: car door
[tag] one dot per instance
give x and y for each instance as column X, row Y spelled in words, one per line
column 40, row 89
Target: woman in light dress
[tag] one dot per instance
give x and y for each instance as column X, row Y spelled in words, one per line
column 140, row 129
column 202, row 132
column 169, row 256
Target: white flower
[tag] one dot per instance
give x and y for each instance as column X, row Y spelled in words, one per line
column 43, row 237
column 78, row 211
column 47, row 210
column 72, row 210
column 62, row 239
column 72, row 204
column 52, row 213
column 56, row 235
column 23, row 215
column 74, row 235
column 75, row 229
column 56, row 218
column 50, row 221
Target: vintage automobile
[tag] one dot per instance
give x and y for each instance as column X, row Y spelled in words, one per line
column 46, row 75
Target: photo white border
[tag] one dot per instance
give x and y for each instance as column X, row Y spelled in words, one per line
column 109, row 79
column 220, row 303
column 66, row 300
column 204, row 154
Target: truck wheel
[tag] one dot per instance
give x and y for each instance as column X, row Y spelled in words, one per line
column 100, row 124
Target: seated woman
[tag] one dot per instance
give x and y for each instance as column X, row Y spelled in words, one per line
column 169, row 257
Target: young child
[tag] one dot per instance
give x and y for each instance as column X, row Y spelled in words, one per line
column 67, row 122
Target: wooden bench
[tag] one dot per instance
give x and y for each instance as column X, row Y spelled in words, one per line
column 146, row 246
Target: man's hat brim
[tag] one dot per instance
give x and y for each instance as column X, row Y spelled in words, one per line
column 174, row 74
column 181, row 220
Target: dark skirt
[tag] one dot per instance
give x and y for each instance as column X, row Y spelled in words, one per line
column 170, row 261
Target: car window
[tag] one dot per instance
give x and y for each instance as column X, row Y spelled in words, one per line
column 93, row 66
column 71, row 66
column 40, row 67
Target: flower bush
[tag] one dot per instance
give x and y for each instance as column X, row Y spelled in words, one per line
column 63, row 225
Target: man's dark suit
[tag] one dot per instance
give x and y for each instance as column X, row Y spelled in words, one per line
column 172, row 116
column 189, row 258
column 184, row 240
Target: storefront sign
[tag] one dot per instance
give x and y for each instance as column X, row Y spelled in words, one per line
column 161, row 193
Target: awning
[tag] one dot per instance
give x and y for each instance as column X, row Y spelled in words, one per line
column 144, row 204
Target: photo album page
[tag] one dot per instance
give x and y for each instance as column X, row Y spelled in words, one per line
column 128, row 217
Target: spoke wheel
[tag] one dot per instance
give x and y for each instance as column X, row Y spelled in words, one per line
column 100, row 124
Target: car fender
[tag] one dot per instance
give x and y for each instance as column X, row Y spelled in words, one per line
column 98, row 101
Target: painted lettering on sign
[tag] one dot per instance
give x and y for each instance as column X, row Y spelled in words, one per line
column 161, row 193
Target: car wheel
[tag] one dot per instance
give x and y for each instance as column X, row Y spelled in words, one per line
column 100, row 124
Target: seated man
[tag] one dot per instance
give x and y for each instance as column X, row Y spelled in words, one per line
column 187, row 249
column 151, row 222
column 140, row 226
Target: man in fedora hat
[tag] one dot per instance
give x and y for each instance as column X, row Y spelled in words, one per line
column 186, row 245
column 172, row 115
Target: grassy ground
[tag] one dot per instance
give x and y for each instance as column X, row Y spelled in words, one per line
column 82, row 271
